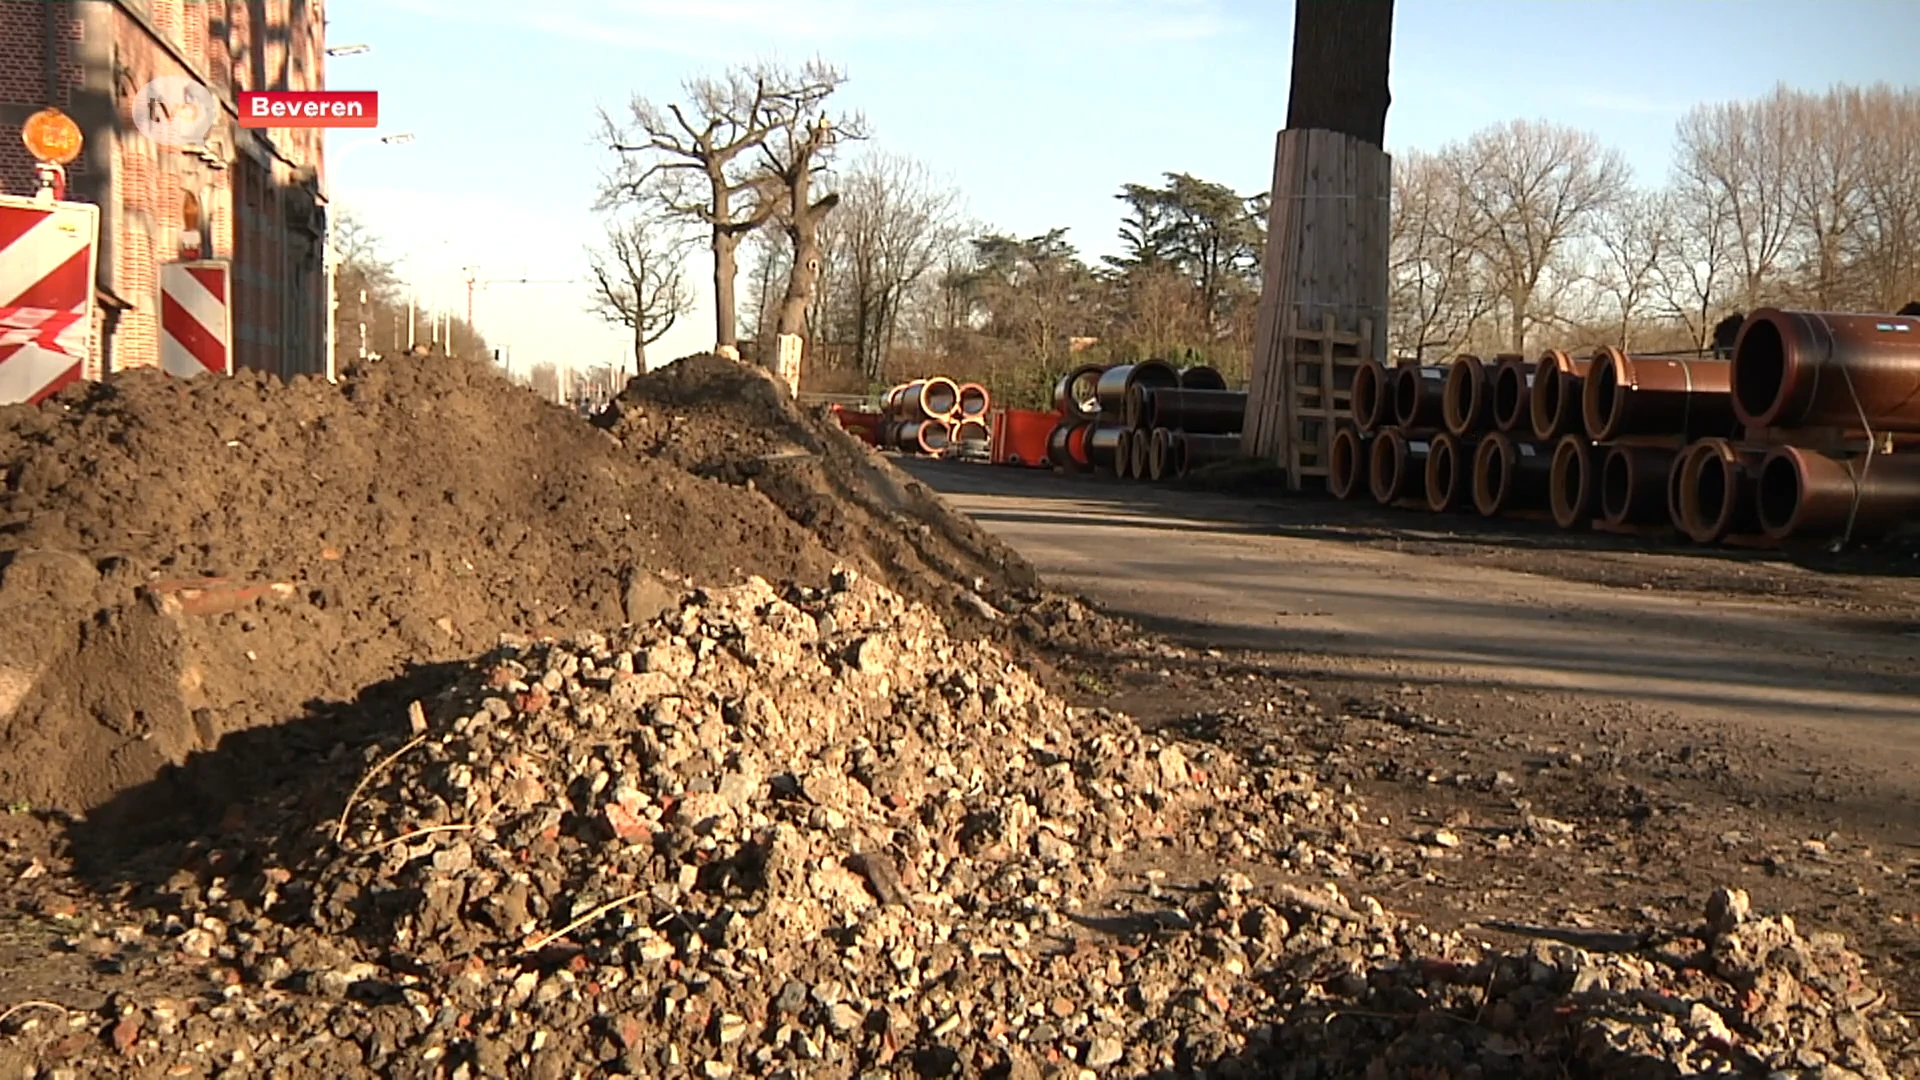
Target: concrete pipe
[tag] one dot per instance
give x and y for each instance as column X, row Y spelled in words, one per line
column 1627, row 396
column 1449, row 473
column 1202, row 412
column 1396, row 467
column 1073, row 395
column 1160, row 455
column 1509, row 475
column 1123, row 453
column 1141, row 447
column 1570, row 485
column 1346, row 463
column 922, row 436
column 1634, row 484
column 1555, row 406
column 1067, row 446
column 1806, row 495
column 937, row 398
column 1419, row 398
column 1202, row 377
column 971, row 432
column 1111, row 389
column 972, row 400
column 1717, row 491
column 1794, row 369
column 1372, row 396
column 1103, row 445
column 1512, row 395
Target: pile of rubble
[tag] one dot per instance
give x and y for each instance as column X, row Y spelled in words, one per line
column 808, row 833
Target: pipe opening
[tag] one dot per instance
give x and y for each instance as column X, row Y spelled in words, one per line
column 1568, row 483
column 1759, row 369
column 939, row 397
column 1177, row 451
column 1366, row 395
column 1549, row 388
column 1603, row 384
column 1343, row 463
column 1440, row 474
column 973, row 400
column 1492, row 477
column 1406, row 396
column 935, row 436
column 1461, row 395
column 1384, row 465
column 1509, row 394
column 1616, row 485
column 1711, row 491
column 1780, row 493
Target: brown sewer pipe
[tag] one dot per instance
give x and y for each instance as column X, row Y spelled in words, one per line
column 1570, row 482
column 1468, row 397
column 1633, row 484
column 972, row 400
column 1203, row 412
column 1449, row 472
column 1346, row 459
column 922, row 436
column 1512, row 394
column 1509, row 475
column 1627, row 396
column 1557, row 382
column 1717, row 491
column 1419, row 398
column 1808, row 495
column 1372, row 396
column 1396, row 467
column 1123, row 454
column 1135, row 413
column 1796, row 369
column 1141, row 447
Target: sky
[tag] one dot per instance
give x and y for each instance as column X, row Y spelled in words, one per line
column 1036, row 112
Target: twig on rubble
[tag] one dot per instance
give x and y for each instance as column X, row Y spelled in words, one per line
column 1600, row 941
column 545, row 940
column 25, row 1005
column 415, row 834
column 1308, row 902
column 340, row 831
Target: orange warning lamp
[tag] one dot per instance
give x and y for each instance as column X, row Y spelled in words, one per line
column 51, row 137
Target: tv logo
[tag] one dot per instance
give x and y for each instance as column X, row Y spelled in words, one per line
column 173, row 110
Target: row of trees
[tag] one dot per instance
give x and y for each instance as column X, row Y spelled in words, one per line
column 1524, row 236
column 375, row 311
column 1530, row 234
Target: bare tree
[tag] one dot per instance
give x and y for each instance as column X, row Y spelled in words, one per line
column 1534, row 187
column 1885, row 252
column 795, row 155
column 895, row 225
column 1633, row 236
column 1435, row 268
column 639, row 281
column 697, row 162
column 1738, row 150
column 1826, row 162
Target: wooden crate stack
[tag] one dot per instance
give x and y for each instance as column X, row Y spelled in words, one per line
column 1323, row 297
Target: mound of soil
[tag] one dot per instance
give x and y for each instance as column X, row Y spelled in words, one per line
column 406, row 517
column 722, row 419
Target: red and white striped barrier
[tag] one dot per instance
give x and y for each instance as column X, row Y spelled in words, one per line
column 196, row 318
column 48, row 254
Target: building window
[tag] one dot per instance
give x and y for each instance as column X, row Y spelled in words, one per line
column 193, row 228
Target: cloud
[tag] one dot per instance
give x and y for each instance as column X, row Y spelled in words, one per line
column 721, row 29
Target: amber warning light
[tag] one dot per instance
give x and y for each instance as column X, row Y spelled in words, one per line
column 51, row 137
column 309, row 109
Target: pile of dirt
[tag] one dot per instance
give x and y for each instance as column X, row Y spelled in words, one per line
column 401, row 519
column 723, row 419
column 808, row 833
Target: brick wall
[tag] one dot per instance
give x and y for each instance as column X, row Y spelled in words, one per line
column 23, row 81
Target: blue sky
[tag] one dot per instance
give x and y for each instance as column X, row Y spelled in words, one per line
column 1036, row 111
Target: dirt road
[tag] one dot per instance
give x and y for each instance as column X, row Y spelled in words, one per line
column 1752, row 697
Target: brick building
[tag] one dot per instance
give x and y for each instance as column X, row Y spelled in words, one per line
column 252, row 196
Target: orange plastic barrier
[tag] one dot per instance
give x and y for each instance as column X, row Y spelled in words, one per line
column 1020, row 437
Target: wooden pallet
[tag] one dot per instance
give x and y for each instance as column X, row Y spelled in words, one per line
column 1319, row 393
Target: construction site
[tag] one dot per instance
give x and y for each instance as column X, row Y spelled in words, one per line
column 1521, row 715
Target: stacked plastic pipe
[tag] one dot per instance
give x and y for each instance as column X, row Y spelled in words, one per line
column 1145, row 421
column 1807, row 432
column 927, row 416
